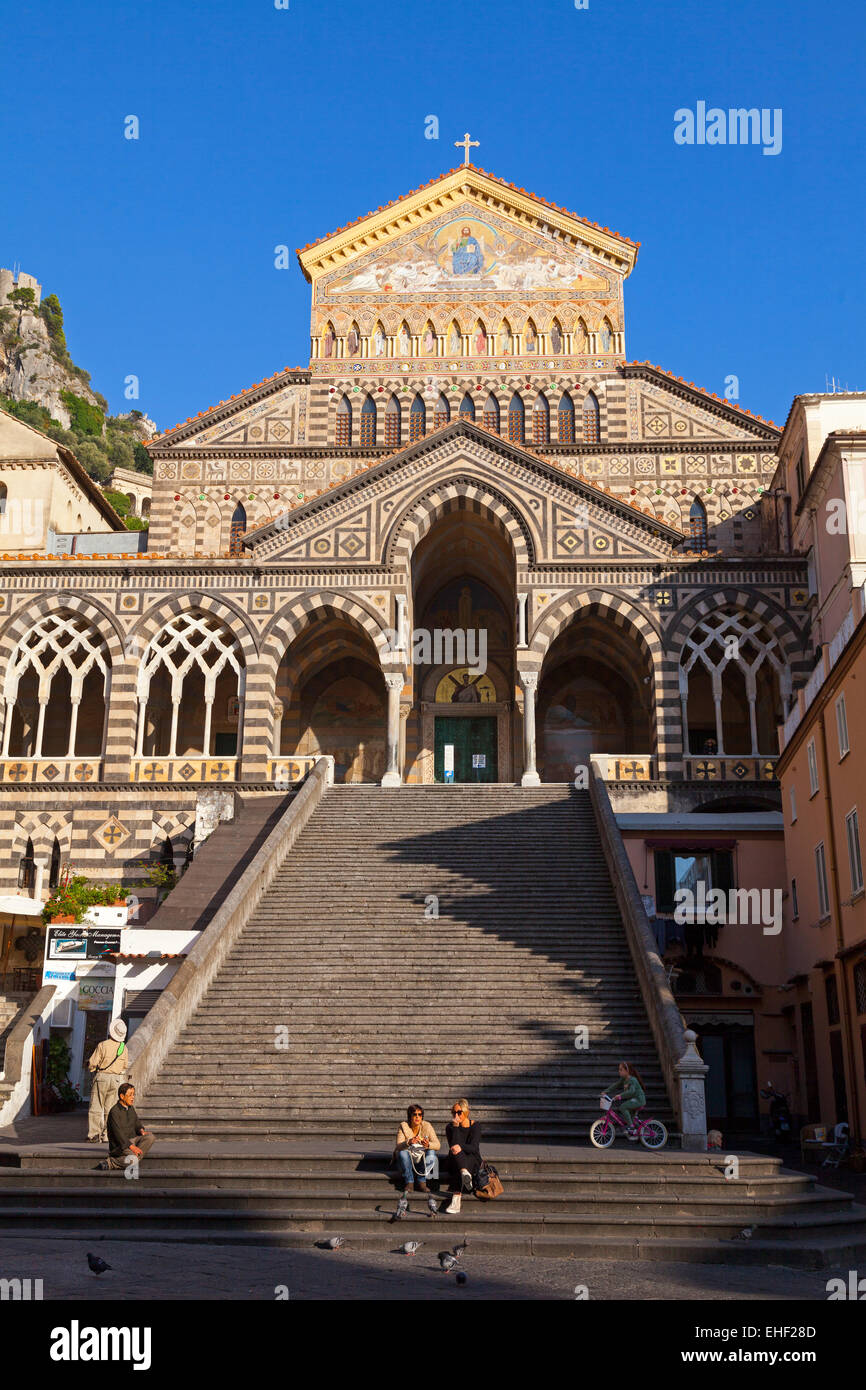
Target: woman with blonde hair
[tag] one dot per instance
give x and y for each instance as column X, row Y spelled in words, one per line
column 464, row 1152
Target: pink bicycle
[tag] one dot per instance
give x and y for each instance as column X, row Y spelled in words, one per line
column 602, row 1132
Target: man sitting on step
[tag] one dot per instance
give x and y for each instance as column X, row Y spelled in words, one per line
column 128, row 1140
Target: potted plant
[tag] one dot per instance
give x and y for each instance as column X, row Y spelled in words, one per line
column 62, row 1094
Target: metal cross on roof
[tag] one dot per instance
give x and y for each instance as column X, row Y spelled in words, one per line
column 464, row 144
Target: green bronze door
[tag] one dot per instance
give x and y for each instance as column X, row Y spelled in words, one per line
column 465, row 750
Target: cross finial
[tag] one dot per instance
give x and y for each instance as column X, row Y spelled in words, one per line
column 464, row 144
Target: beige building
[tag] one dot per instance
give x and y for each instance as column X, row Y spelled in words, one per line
column 137, row 487
column 44, row 492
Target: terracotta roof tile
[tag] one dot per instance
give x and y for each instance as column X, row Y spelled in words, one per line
column 732, row 405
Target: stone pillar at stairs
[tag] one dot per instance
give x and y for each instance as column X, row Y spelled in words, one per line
column 394, row 680
column 529, row 682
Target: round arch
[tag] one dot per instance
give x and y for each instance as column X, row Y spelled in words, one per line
column 449, row 496
column 20, row 623
column 228, row 613
column 286, row 626
column 555, row 619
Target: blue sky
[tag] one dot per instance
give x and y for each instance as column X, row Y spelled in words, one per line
column 262, row 126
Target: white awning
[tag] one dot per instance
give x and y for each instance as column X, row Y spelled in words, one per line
column 15, row 905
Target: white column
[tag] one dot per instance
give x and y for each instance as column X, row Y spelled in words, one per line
column 39, row 866
column 522, row 600
column 37, row 748
column 401, row 602
column 684, row 710
column 717, row 701
column 172, row 742
column 208, row 715
column 139, row 738
column 9, row 712
column 395, row 681
column 529, row 682
column 73, row 727
column 753, row 725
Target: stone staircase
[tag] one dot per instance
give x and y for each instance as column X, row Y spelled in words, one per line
column 342, row 1001
column 11, row 1006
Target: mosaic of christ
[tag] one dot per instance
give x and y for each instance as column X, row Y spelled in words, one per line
column 468, row 251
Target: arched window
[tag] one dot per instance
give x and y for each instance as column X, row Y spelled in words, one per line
column 166, row 854
column 698, row 525
column 344, row 421
column 368, row 421
column 54, row 869
column 491, row 413
column 467, row 408
column 238, row 530
column 392, row 423
column 55, row 690
column 515, row 419
column 4, row 492
column 733, row 682
column 541, row 420
column 441, row 411
column 27, row 870
column 590, row 420
column 188, row 681
column 417, row 419
column 566, row 419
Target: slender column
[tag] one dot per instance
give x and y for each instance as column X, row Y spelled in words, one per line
column 7, row 726
column 37, row 748
column 401, row 623
column 753, row 724
column 142, row 712
column 684, row 710
column 73, row 727
column 529, row 682
column 277, row 728
column 394, row 680
column 172, row 742
column 717, row 701
column 522, row 600
column 39, row 866
column 208, row 715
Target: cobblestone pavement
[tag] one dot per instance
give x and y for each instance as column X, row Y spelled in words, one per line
column 143, row 1270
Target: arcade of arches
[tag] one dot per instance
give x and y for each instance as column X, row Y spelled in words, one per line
column 383, row 715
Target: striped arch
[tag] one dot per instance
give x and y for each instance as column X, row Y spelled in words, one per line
column 81, row 606
column 295, row 617
column 751, row 601
column 228, row 613
column 456, row 494
column 627, row 616
column 42, row 828
column 623, row 614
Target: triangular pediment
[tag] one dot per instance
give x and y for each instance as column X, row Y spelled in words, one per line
column 511, row 222
column 560, row 517
column 663, row 407
column 271, row 412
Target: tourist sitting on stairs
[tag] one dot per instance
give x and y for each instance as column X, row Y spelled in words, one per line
column 416, row 1150
column 464, row 1152
column 628, row 1096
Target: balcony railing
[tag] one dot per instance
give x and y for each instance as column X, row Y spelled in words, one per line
column 44, row 771
column 191, row 770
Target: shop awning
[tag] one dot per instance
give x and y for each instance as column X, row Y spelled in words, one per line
column 16, row 906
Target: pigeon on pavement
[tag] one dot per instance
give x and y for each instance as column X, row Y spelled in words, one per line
column 410, row 1246
column 97, row 1264
column 332, row 1243
column 446, row 1260
column 432, row 1208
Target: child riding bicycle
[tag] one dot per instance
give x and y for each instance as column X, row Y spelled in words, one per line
column 628, row 1096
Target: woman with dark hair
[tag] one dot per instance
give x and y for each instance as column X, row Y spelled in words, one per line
column 416, row 1150
column 464, row 1152
column 629, row 1095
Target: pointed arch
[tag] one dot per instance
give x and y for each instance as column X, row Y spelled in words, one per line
column 606, row 338
column 491, row 413
column 404, row 340
column 237, row 530
column 479, row 339
column 698, row 524
column 581, row 336
column 565, row 413
column 27, row 870
column 353, row 340
column 380, row 340
column 56, row 688
column 441, row 411
column 557, row 342
column 454, row 494
column 454, row 341
column 467, row 407
column 191, row 671
column 516, row 419
column 343, row 430
column 368, row 421
column 329, row 340
column 530, row 336
column 590, row 418
column 505, row 339
column 541, row 420
column 392, row 422
column 417, row 418
column 54, row 866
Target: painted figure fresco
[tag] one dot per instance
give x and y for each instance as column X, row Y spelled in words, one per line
column 530, row 340
column 504, row 339
column 467, row 258
column 353, row 342
column 555, row 339
column 329, row 342
column 404, row 342
column 605, row 337
column 429, row 340
column 480, row 341
column 454, row 339
column 379, row 341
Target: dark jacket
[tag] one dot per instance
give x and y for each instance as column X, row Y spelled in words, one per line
column 123, row 1128
column 469, row 1141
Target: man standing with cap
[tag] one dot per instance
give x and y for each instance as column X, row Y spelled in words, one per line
column 109, row 1067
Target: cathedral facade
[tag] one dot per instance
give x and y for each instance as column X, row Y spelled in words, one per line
column 470, row 540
